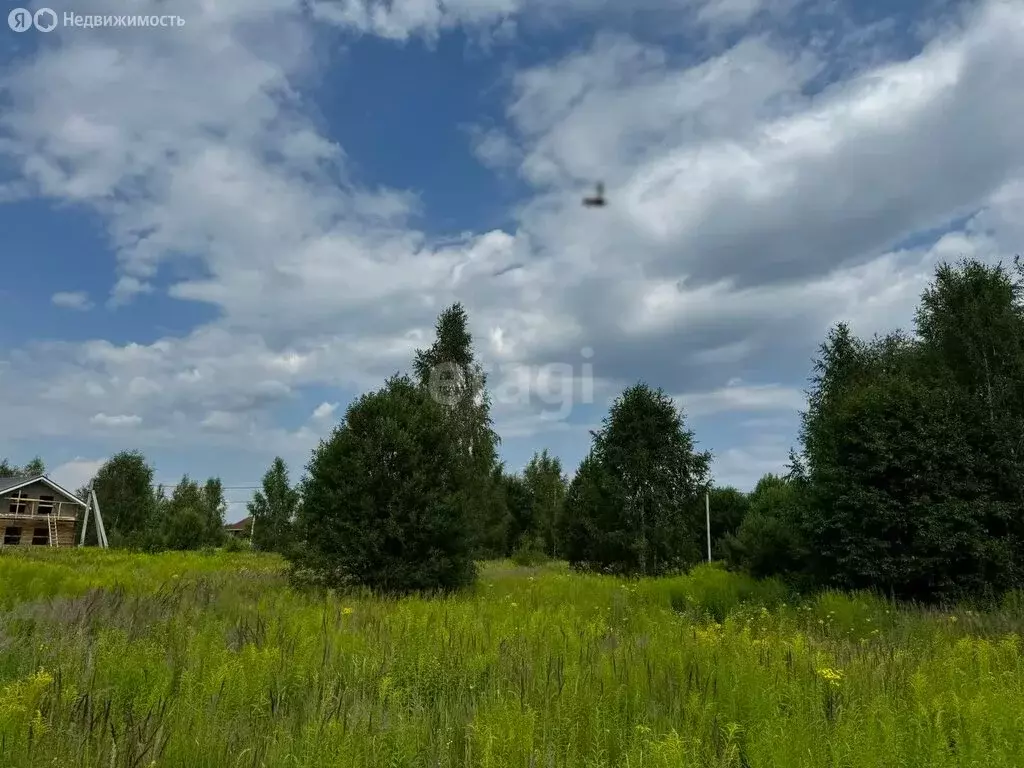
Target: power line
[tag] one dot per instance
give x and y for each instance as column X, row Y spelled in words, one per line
column 223, row 487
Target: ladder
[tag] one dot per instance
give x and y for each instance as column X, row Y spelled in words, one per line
column 51, row 523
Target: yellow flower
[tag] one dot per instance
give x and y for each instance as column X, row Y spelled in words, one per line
column 346, row 611
column 833, row 676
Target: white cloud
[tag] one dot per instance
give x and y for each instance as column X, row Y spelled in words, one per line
column 494, row 148
column 402, row 19
column 737, row 398
column 75, row 473
column 127, row 288
column 742, row 467
column 744, row 216
column 324, row 411
column 118, row 420
column 71, row 300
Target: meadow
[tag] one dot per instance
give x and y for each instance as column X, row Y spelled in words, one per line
column 117, row 659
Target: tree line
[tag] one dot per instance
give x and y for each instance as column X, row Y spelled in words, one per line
column 908, row 477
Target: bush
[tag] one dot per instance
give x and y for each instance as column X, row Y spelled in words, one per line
column 384, row 498
column 530, row 552
column 709, row 590
column 235, row 544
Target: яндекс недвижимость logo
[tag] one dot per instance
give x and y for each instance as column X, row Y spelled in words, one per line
column 46, row 20
column 22, row 19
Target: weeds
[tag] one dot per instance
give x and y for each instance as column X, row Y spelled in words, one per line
column 217, row 660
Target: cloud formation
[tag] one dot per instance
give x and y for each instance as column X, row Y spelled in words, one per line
column 749, row 210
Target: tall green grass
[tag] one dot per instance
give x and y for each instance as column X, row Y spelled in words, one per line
column 112, row 659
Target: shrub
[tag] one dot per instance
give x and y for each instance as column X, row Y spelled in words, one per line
column 530, row 552
column 235, row 544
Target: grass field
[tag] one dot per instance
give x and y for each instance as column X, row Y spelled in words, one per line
column 110, row 659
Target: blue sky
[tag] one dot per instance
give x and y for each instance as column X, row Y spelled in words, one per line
column 214, row 236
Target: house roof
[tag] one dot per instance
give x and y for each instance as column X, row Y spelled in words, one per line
column 11, row 484
column 241, row 525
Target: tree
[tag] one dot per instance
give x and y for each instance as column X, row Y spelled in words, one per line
column 273, row 509
column 547, row 487
column 912, row 463
column 633, row 497
column 384, row 499
column 971, row 322
column 448, row 370
column 185, row 517
column 124, row 487
column 768, row 540
column 593, row 535
column 33, row 468
column 728, row 506
column 493, row 517
column 519, row 504
column 214, row 507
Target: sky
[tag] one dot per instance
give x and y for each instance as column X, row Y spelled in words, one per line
column 214, row 236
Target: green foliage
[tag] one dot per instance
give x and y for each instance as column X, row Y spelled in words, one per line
column 492, row 516
column 769, row 539
column 530, row 552
column 913, row 460
column 274, row 509
column 519, row 505
column 124, row 487
column 183, row 659
column 629, row 508
column 449, row 371
column 728, row 509
column 384, row 501
column 193, row 517
column 34, row 467
column 709, row 591
column 185, row 518
column 546, row 485
column 237, row 544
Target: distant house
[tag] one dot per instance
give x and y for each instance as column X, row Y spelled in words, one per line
column 240, row 530
column 35, row 510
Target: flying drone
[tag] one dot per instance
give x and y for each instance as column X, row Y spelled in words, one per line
column 597, row 201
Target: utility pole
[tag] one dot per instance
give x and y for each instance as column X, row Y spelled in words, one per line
column 707, row 515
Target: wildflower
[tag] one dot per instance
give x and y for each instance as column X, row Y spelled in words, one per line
column 833, row 676
column 515, row 605
column 346, row 611
column 952, row 619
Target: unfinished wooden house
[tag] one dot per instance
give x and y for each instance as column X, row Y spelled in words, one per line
column 37, row 511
